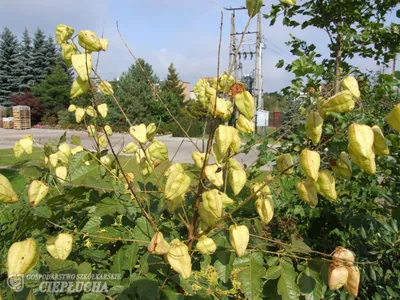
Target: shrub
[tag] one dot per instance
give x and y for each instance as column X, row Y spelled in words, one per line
column 29, row 100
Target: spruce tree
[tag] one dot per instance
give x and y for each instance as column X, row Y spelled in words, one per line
column 8, row 66
column 25, row 63
column 39, row 56
column 173, row 84
column 51, row 54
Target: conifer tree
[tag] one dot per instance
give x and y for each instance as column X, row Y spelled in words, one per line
column 25, row 64
column 173, row 84
column 39, row 56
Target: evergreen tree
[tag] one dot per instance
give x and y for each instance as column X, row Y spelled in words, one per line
column 52, row 54
column 53, row 91
column 25, row 63
column 173, row 84
column 8, row 66
column 39, row 56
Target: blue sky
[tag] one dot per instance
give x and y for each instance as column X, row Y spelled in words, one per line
column 185, row 32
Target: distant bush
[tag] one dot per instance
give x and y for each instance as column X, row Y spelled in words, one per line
column 29, row 100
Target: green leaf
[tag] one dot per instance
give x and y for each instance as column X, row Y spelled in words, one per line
column 311, row 285
column 42, row 211
column 287, row 286
column 109, row 206
column 143, row 230
column 273, row 261
column 61, row 266
column 94, row 254
column 92, row 225
column 251, row 277
column 93, row 296
column 280, row 63
column 118, row 264
column 273, row 272
column 130, row 256
column 223, row 265
column 299, row 245
column 76, row 140
column 146, row 289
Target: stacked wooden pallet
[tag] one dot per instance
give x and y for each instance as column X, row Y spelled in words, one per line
column 8, row 123
column 22, row 117
column 2, row 115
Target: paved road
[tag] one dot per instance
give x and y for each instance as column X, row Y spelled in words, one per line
column 8, row 137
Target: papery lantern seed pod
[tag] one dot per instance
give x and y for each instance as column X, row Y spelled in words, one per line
column 157, row 151
column 26, row 143
column 173, row 168
column 326, row 185
column 289, row 2
column 343, row 256
column 179, row 258
column 198, row 159
column 91, row 129
column 82, row 64
column 307, row 192
column 61, row 173
column 108, row 130
column 212, row 202
column 7, row 193
column 102, row 140
column 223, row 138
column 89, row 41
column 130, row 148
column 361, row 140
column 214, row 175
column 79, row 114
column 71, row 108
column 67, row 50
column 337, row 276
column 393, row 118
column 245, row 103
column 53, row 159
column 353, row 281
column 310, row 162
column 103, row 110
column 351, row 84
column 22, row 257
column 236, row 176
column 313, row 126
column 104, row 44
column 253, row 7
column 217, row 106
column 218, row 157
column 105, row 161
column 151, row 131
column 91, row 112
column 341, row 102
column 366, row 164
column 265, row 208
column 244, row 125
column 65, row 148
column 236, row 143
column 264, row 192
column 342, row 166
column 60, row 246
column 284, row 163
column 158, row 244
column 106, row 88
column 239, row 237
column 63, row 33
column 380, row 145
column 138, row 132
column 62, row 157
column 229, row 110
column 76, row 150
column 78, row 88
column 37, row 191
column 177, row 184
column 206, row 245
column 206, row 216
column 174, row 204
column 18, row 151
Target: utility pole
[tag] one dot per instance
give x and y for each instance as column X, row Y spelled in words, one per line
column 232, row 46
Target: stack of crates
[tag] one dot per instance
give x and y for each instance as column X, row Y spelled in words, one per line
column 2, row 115
column 22, row 117
column 8, row 123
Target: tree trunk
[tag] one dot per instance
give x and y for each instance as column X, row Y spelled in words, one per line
column 338, row 62
column 394, row 64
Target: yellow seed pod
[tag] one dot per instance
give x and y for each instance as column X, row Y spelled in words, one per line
column 105, row 161
column 103, row 43
column 223, row 137
column 108, row 130
column 138, row 132
column 90, row 111
column 79, row 114
column 380, row 147
column 393, row 118
column 289, row 2
column 179, row 258
column 130, row 148
column 218, row 157
column 89, row 41
column 37, row 191
column 206, row 245
column 239, row 237
column 67, row 50
column 177, row 184
column 71, row 108
column 53, row 158
column 157, row 151
column 244, row 125
column 65, row 148
column 236, row 142
column 341, row 102
column 212, row 202
column 63, row 33
column 314, row 124
column 102, row 140
column 26, row 143
column 367, row 164
column 229, row 110
column 351, row 84
column 264, row 192
column 146, row 168
column 22, row 257
column 82, row 64
column 353, row 281
column 283, row 162
column 342, row 166
column 78, row 88
column 60, row 246
column 76, row 150
column 337, row 276
column 307, row 192
column 253, row 7
column 91, row 129
column 310, row 162
column 245, row 104
column 103, row 110
column 217, row 106
column 265, row 208
column 198, row 159
column 236, row 176
column 61, row 173
column 61, row 156
column 326, row 185
column 343, row 256
column 361, row 140
column 18, row 151
column 158, row 244
column 208, row 219
column 214, row 175
column 106, row 88
column 175, row 203
column 7, row 193
column 173, row 168
column 151, row 131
